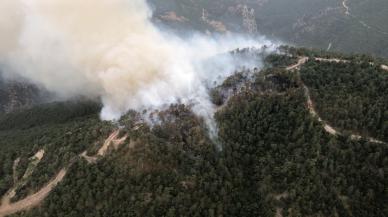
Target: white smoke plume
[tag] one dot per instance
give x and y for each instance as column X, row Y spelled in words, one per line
column 109, row 49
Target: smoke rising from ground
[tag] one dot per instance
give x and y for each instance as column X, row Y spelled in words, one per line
column 109, row 49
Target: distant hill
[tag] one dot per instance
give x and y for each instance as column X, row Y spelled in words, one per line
column 15, row 96
column 347, row 26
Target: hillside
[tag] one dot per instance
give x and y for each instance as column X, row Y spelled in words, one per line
column 351, row 26
column 16, row 96
column 298, row 138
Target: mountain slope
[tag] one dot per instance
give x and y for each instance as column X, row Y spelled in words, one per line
column 16, row 96
column 273, row 155
column 347, row 26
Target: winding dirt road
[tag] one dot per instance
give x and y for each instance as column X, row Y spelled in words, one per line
column 310, row 104
column 34, row 161
column 359, row 20
column 344, row 4
column 383, row 67
column 112, row 140
column 301, row 61
column 34, row 199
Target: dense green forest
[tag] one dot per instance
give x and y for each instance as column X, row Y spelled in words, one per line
column 351, row 96
column 61, row 129
column 272, row 157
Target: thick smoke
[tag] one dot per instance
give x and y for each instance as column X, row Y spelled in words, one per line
column 109, row 49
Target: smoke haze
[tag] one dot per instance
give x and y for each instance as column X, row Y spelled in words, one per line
column 109, row 49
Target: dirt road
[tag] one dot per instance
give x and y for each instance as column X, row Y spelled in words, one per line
column 102, row 151
column 360, row 21
column 332, row 60
column 310, row 105
column 34, row 161
column 344, row 4
column 279, row 197
column 384, row 67
column 112, row 140
column 314, row 113
column 14, row 169
column 301, row 61
column 34, row 199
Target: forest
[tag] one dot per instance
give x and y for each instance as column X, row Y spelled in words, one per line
column 271, row 156
column 352, row 96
